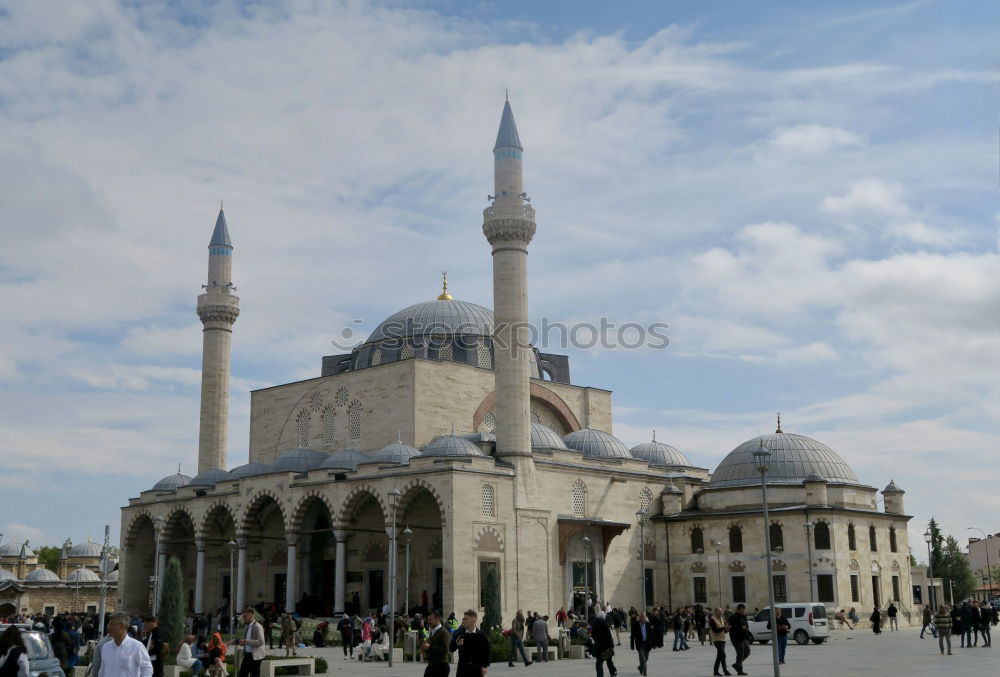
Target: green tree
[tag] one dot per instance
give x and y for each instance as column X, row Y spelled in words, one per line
column 955, row 568
column 491, row 600
column 48, row 556
column 171, row 609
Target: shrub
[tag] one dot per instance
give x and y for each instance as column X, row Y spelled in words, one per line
column 491, row 601
column 171, row 609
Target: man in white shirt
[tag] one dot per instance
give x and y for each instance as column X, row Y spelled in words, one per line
column 124, row 656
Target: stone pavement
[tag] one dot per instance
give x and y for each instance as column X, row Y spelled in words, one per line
column 845, row 654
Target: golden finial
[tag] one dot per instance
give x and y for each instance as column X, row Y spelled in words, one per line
column 779, row 430
column 444, row 295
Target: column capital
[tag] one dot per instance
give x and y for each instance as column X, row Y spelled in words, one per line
column 199, row 544
column 241, row 542
column 340, row 535
column 292, row 539
column 162, row 549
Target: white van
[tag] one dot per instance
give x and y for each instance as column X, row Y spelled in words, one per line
column 808, row 621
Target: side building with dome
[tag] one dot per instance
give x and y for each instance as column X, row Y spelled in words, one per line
column 481, row 454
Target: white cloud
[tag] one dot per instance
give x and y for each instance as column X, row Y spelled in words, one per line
column 919, row 233
column 868, row 195
column 812, row 138
column 22, row 533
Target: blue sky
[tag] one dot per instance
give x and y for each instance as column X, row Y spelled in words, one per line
column 806, row 195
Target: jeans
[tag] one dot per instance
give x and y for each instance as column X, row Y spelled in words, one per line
column 643, row 657
column 611, row 666
column 196, row 668
column 720, row 657
column 543, row 650
column 742, row 649
column 944, row 636
column 924, row 629
column 967, row 637
column 679, row 641
column 985, row 630
column 515, row 644
column 893, row 623
column 782, row 643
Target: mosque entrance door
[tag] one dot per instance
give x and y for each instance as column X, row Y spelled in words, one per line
column 376, row 589
column 8, row 610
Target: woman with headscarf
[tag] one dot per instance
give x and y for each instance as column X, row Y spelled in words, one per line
column 217, row 654
column 876, row 619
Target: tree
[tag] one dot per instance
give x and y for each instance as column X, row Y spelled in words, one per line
column 491, row 600
column 171, row 609
column 48, row 556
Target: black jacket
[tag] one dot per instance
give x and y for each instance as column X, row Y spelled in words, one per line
column 636, row 635
column 739, row 629
column 475, row 649
column 601, row 634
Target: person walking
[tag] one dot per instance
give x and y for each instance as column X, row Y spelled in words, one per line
column 604, row 644
column 972, row 627
column 717, row 629
column 985, row 618
column 678, row 621
column 13, row 654
column 540, row 633
column 891, row 613
column 436, row 648
column 561, row 617
column 783, row 625
column 876, row 620
column 942, row 619
column 124, row 656
column 346, row 636
column 288, row 634
column 154, row 643
column 739, row 635
column 641, row 639
column 253, row 645
column 517, row 639
column 926, row 619
column 472, row 646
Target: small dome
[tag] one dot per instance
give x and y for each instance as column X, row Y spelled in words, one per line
column 397, row 453
column 449, row 445
column 348, row 459
column 209, row 478
column 249, row 470
column 671, row 489
column 793, row 459
column 658, row 453
column 11, row 549
column 544, row 437
column 82, row 575
column 892, row 488
column 112, row 576
column 88, row 549
column 594, row 443
column 42, row 575
column 298, row 460
column 6, row 576
column 171, row 482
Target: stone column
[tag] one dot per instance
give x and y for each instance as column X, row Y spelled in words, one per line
column 290, row 571
column 199, row 577
column 160, row 570
column 340, row 571
column 241, row 573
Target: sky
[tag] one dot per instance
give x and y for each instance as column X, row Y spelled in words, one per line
column 806, row 195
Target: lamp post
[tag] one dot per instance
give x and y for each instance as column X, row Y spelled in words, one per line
column 586, row 576
column 394, row 496
column 809, row 528
column 232, row 588
column 762, row 457
column 157, row 535
column 930, row 570
column 105, row 570
column 641, row 517
column 407, row 537
column 989, row 574
column 718, row 567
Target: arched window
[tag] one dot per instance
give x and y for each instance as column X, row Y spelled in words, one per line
column 777, row 536
column 892, row 539
column 852, row 538
column 735, row 538
column 489, row 502
column 407, row 351
column 580, row 499
column 354, row 420
column 697, row 540
column 821, row 536
column 302, row 428
column 483, row 357
column 872, row 539
column 328, row 427
column 376, row 357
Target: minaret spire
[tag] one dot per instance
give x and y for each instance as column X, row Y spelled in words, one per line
column 218, row 309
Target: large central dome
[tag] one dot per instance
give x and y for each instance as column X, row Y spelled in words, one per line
column 436, row 318
column 793, row 458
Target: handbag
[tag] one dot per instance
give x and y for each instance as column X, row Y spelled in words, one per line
column 607, row 654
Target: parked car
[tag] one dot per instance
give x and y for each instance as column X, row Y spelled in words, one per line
column 809, row 622
column 41, row 657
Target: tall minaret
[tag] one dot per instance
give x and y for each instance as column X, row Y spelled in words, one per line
column 218, row 309
column 509, row 225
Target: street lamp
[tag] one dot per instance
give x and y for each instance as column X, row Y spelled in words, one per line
column 586, row 576
column 762, row 458
column 809, row 544
column 394, row 496
column 718, row 566
column 930, row 569
column 105, row 570
column 232, row 603
column 407, row 537
column 989, row 574
column 641, row 517
column 158, row 535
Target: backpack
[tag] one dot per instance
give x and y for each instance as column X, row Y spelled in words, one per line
column 10, row 666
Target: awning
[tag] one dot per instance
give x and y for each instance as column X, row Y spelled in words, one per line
column 570, row 526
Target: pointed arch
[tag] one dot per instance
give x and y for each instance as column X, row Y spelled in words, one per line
column 412, row 489
column 135, row 525
column 175, row 519
column 356, row 498
column 489, row 538
column 203, row 526
column 298, row 512
column 256, row 502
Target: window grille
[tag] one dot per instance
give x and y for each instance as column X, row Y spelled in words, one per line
column 852, row 538
column 446, row 353
column 483, row 356
column 735, row 539
column 354, row 420
column 328, row 427
column 341, row 396
column 377, row 357
column 697, row 540
column 303, row 422
column 579, row 499
column 406, row 352
column 489, row 502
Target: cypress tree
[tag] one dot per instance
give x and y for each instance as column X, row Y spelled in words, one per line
column 171, row 609
column 491, row 600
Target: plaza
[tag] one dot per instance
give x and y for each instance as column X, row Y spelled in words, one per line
column 854, row 653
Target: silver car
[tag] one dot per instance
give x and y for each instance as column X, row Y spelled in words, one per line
column 41, row 658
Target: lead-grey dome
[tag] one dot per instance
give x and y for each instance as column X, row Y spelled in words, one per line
column 13, row 549
column 82, row 575
column 544, row 437
column 249, row 470
column 438, row 317
column 595, row 443
column 348, row 459
column 209, row 478
column 299, row 459
column 659, row 453
column 42, row 575
column 793, row 459
column 88, row 549
column 892, row 488
column 397, row 453
column 6, row 575
column 112, row 576
column 171, row 482
column 449, row 445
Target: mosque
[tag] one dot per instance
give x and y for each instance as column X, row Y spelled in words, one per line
column 446, row 446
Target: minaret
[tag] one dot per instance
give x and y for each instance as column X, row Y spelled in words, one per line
column 509, row 225
column 218, row 309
